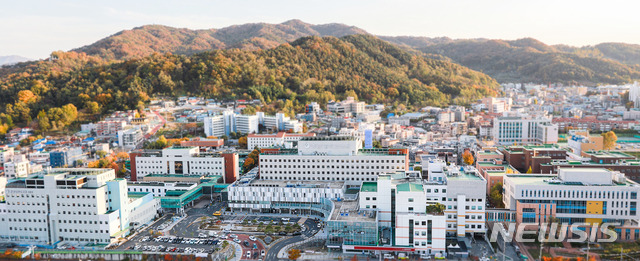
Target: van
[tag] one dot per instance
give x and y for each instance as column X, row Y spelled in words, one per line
column 388, row 256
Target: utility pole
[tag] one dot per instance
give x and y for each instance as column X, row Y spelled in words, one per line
column 588, row 249
column 541, row 241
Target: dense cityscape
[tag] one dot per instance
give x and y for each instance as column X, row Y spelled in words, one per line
column 232, row 130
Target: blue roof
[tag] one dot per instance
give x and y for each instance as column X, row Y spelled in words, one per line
column 89, row 139
column 51, row 142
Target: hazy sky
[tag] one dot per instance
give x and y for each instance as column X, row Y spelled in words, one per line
column 36, row 28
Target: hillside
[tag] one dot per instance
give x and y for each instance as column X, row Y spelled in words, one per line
column 12, row 59
column 146, row 40
column 285, row 78
column 523, row 60
column 528, row 60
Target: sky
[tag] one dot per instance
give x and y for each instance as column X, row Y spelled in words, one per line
column 36, row 28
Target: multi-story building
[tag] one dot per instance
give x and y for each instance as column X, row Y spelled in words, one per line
column 39, row 157
column 497, row 105
column 532, row 157
column 215, row 126
column 280, row 139
column 592, row 124
column 581, row 141
column 6, row 154
column 611, row 160
column 575, row 195
column 19, row 167
column 350, row 105
column 78, row 206
column 184, row 160
column 109, row 128
column 279, row 122
column 246, row 123
column 130, row 138
column 524, row 130
column 334, row 158
column 66, row 157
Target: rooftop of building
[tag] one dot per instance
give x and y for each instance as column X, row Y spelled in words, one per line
column 608, row 154
column 552, row 180
column 135, row 195
column 329, row 138
column 369, row 187
column 160, row 184
column 409, row 187
column 350, row 211
column 628, row 162
column 174, row 176
column 291, row 184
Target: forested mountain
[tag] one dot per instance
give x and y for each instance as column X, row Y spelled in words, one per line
column 146, row 40
column 286, row 77
column 529, row 60
column 523, row 60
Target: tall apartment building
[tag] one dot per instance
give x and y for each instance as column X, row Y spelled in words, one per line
column 65, row 157
column 130, row 138
column 279, row 122
column 334, row 158
column 19, row 167
column 497, row 105
column 350, row 105
column 279, row 139
column 184, row 160
column 575, row 195
column 79, row 206
column 109, row 128
column 6, row 154
column 524, row 130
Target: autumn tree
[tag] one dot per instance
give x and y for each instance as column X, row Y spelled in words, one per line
column 609, row 140
column 467, row 157
column 294, row 254
column 43, row 121
column 242, row 141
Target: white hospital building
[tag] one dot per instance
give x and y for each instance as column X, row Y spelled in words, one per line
column 333, row 158
column 79, row 206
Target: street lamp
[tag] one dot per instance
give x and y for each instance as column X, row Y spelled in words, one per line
column 504, row 245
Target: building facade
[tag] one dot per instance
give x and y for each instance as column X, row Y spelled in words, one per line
column 79, row 206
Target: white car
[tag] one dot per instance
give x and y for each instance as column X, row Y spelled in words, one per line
column 252, row 238
column 233, row 236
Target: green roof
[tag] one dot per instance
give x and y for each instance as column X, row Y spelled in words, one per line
column 369, row 187
column 409, row 187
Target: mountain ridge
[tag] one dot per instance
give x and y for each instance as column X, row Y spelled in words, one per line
column 520, row 60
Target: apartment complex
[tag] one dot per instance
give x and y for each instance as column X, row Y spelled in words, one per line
column 184, row 160
column 229, row 121
column 334, row 158
column 81, row 206
column 280, row 139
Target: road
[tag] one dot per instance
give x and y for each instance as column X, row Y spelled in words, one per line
column 311, row 226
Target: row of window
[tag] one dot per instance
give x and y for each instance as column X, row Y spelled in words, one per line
column 267, row 160
column 579, row 194
column 319, row 178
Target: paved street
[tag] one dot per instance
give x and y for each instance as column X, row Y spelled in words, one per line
column 311, row 225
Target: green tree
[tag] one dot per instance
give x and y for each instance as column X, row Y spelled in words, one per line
column 43, row 121
column 495, row 195
column 93, row 107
